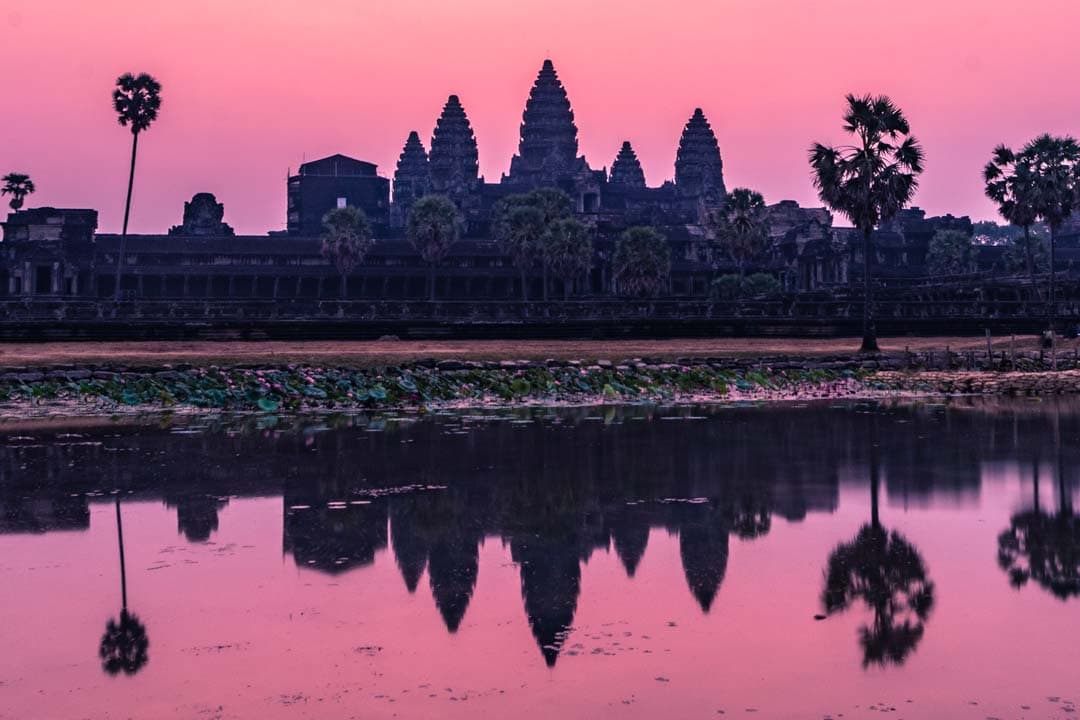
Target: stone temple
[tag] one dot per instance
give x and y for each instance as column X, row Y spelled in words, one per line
column 59, row 253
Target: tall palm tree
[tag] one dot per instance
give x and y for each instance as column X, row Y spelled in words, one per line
column 18, row 186
column 568, row 251
column 1011, row 185
column 136, row 99
column 1054, row 166
column 519, row 228
column 124, row 645
column 346, row 240
column 742, row 226
column 642, row 261
column 870, row 181
column 433, row 227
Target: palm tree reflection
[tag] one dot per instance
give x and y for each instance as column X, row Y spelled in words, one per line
column 124, row 646
column 1042, row 547
column 887, row 573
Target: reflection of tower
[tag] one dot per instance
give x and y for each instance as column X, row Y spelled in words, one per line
column 630, row 530
column 196, row 514
column 452, row 568
column 334, row 537
column 703, row 547
column 550, row 585
column 410, row 545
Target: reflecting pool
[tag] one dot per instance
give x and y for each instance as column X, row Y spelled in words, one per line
column 775, row 561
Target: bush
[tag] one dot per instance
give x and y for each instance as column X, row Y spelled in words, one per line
column 760, row 284
column 732, row 287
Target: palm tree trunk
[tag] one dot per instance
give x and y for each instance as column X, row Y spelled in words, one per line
column 869, row 340
column 1052, row 309
column 875, row 476
column 127, row 214
column 120, row 539
column 524, row 287
column 545, row 284
column 431, row 282
column 1029, row 253
column 343, row 286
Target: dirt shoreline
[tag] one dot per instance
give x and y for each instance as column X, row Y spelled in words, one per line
column 396, row 352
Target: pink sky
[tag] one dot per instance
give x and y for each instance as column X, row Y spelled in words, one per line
column 253, row 87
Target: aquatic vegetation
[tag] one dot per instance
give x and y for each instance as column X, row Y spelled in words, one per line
column 295, row 387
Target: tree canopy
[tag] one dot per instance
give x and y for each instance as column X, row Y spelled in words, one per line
column 642, row 261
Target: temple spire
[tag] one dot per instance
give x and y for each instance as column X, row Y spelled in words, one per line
column 548, row 144
column 626, row 170
column 412, row 179
column 699, row 171
column 453, row 160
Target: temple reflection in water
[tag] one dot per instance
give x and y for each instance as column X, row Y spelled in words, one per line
column 555, row 487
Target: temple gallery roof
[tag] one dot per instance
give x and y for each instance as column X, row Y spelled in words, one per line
column 338, row 165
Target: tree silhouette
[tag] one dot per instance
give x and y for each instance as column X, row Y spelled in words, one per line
column 433, row 227
column 869, row 182
column 519, row 229
column 742, row 226
column 642, row 262
column 951, row 252
column 124, row 646
column 18, row 186
column 136, row 100
column 568, row 251
column 1011, row 185
column 887, row 573
column 346, row 240
column 1054, row 166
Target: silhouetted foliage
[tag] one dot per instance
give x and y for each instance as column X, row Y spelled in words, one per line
column 742, row 226
column 951, row 252
column 346, row 240
column 124, row 646
column 434, row 225
column 568, row 251
column 642, row 262
column 18, row 186
column 870, row 182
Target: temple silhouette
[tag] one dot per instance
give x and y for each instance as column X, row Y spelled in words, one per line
column 54, row 254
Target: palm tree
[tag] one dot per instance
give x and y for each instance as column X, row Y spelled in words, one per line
column 869, row 182
column 568, row 251
column 1011, row 186
column 519, row 228
column 887, row 573
column 124, row 645
column 742, row 226
column 346, row 240
column 18, row 186
column 555, row 205
column 1053, row 164
column 642, row 261
column 136, row 99
column 433, row 227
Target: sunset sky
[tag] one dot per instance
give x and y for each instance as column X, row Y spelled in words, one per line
column 253, row 87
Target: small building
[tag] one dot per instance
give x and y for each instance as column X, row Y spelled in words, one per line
column 335, row 182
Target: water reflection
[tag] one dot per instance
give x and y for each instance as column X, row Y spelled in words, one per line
column 556, row 487
column 886, row 573
column 1040, row 546
column 125, row 646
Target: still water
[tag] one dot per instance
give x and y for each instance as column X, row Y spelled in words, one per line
column 782, row 561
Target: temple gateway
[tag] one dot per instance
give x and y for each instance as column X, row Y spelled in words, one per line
column 59, row 253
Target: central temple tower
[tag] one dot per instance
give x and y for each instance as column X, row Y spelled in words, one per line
column 547, row 151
